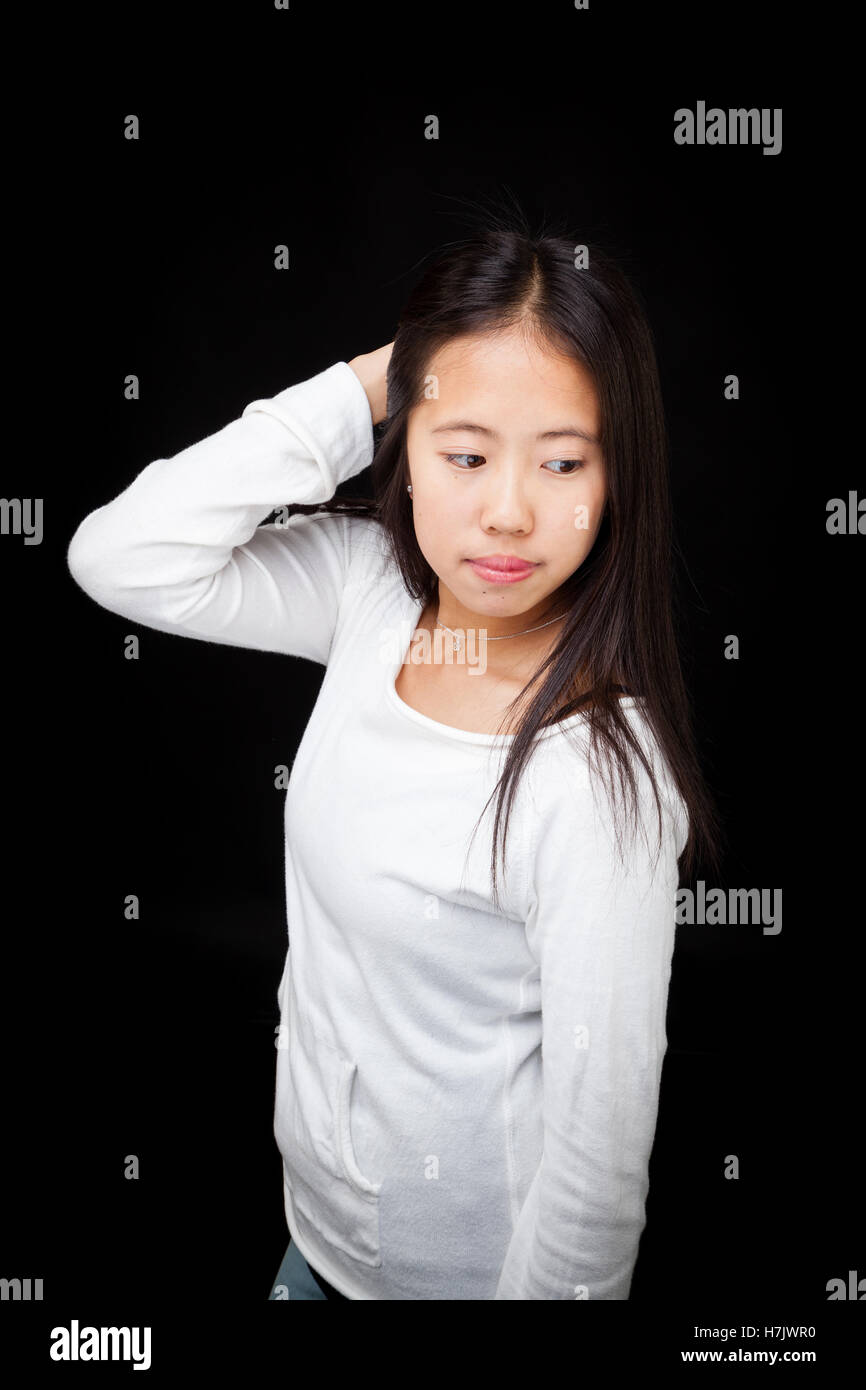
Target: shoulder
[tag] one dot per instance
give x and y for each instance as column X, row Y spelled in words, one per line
column 577, row 790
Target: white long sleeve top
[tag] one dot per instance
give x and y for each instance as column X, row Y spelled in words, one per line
column 466, row 1100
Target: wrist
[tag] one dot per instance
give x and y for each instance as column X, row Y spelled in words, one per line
column 362, row 371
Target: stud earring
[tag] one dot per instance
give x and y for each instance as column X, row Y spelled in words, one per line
column 409, row 487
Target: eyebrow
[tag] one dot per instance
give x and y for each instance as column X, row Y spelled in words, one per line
column 567, row 431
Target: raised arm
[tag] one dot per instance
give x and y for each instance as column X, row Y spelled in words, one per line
column 182, row 550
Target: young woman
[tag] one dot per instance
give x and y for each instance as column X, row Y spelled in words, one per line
column 472, row 1025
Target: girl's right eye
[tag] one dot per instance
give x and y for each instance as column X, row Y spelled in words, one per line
column 450, row 458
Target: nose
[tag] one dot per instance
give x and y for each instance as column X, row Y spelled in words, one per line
column 505, row 503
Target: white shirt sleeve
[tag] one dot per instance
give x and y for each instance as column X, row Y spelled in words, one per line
column 182, row 550
column 603, row 936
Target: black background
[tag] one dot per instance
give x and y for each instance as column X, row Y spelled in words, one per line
column 155, row 777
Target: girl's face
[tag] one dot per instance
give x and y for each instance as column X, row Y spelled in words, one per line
column 495, row 472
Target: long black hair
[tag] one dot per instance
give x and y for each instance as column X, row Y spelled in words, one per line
column 619, row 631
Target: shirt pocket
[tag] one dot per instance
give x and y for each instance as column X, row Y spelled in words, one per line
column 315, row 1093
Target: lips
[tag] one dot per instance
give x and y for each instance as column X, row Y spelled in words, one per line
column 506, row 564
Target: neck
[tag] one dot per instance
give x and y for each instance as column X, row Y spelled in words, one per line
column 515, row 659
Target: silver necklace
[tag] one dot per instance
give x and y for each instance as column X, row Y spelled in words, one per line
column 459, row 640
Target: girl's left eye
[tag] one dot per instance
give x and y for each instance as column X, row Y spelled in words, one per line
column 578, row 463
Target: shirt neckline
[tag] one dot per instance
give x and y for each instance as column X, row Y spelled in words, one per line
column 415, row 608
